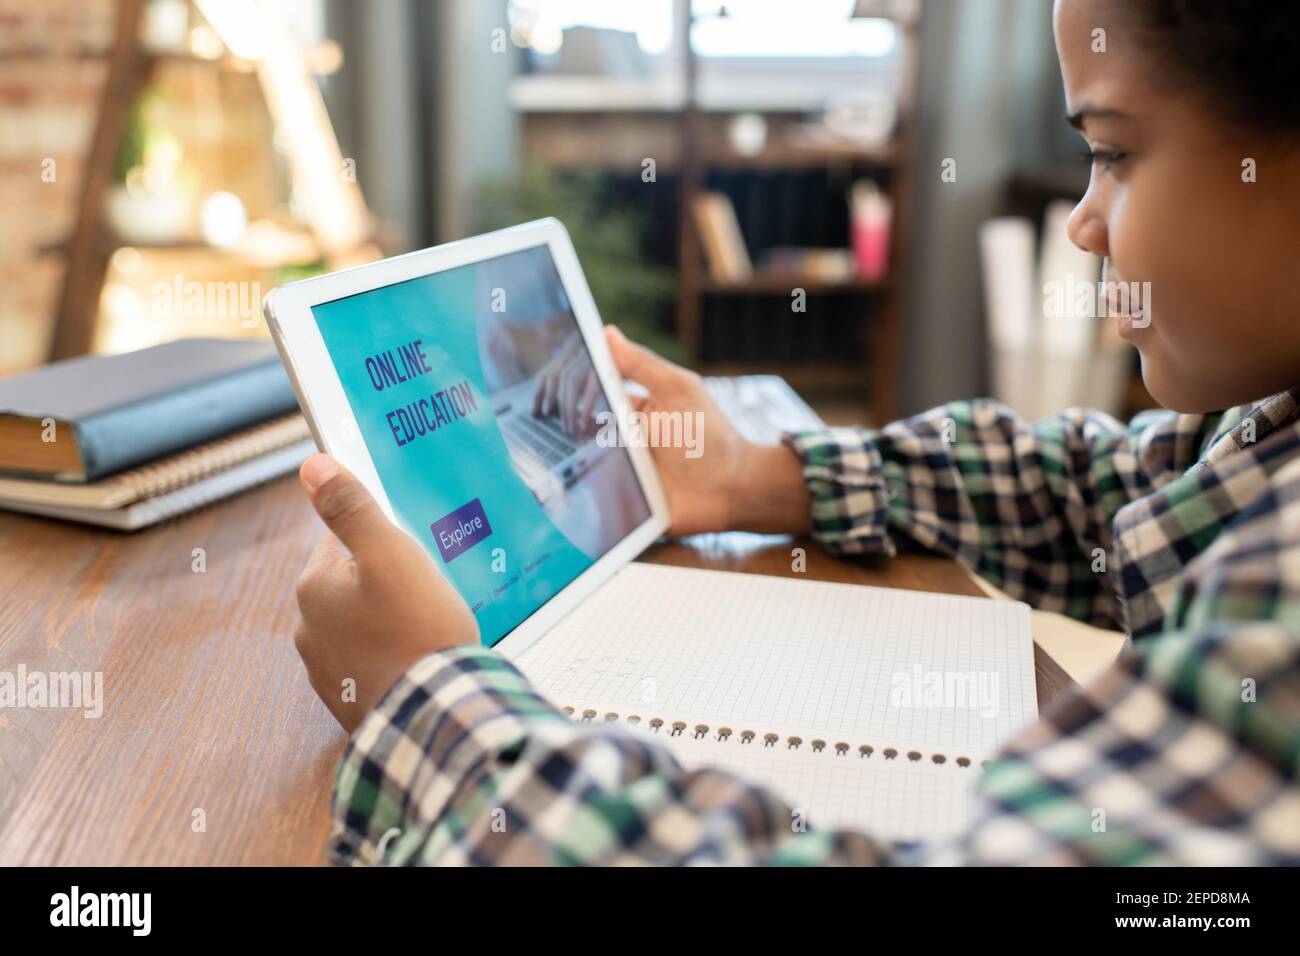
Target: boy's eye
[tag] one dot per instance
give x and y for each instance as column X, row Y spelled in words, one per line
column 1103, row 158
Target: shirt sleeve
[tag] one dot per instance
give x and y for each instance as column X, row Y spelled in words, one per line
column 1029, row 505
column 1187, row 752
column 463, row 763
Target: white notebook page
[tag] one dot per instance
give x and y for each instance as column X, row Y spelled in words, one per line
column 925, row 674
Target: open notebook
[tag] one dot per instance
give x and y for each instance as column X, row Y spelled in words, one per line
column 868, row 708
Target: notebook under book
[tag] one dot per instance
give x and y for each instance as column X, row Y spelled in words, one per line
column 216, row 487
column 172, row 486
column 861, row 707
column 162, row 476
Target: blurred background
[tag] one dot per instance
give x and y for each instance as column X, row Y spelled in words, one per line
column 863, row 196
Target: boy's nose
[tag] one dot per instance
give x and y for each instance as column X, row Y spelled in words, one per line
column 1087, row 229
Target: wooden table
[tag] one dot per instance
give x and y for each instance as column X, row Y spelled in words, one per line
column 206, row 705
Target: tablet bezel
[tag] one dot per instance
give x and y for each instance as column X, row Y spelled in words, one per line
column 320, row 392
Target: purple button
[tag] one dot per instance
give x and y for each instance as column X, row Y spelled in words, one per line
column 461, row 530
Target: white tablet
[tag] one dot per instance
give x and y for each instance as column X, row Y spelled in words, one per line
column 470, row 388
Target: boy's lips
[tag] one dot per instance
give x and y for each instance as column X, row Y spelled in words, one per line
column 1128, row 319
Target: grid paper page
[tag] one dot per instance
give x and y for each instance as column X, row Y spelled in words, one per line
column 933, row 676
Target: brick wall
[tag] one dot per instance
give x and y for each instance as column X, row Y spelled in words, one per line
column 52, row 65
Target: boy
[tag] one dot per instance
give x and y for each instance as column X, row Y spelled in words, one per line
column 1189, row 745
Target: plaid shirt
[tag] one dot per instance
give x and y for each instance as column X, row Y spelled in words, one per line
column 1183, row 529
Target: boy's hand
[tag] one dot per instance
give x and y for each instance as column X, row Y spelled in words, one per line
column 372, row 601
column 734, row 484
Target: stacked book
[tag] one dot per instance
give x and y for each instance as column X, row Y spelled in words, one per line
column 125, row 441
column 724, row 246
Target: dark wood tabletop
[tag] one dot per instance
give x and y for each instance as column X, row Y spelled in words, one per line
column 212, row 747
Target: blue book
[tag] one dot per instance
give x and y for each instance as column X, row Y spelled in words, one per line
column 84, row 418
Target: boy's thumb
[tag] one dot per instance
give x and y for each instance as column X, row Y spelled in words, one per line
column 639, row 363
column 345, row 505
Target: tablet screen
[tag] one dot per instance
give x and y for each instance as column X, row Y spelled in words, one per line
column 481, row 409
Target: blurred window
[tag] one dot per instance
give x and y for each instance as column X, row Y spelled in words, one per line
column 777, row 28
column 752, row 54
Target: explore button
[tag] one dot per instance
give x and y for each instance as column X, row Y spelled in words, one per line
column 460, row 530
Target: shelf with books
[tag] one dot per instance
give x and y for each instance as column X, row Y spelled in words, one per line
column 784, row 199
column 788, row 225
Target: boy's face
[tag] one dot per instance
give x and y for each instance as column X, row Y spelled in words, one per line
column 1167, row 205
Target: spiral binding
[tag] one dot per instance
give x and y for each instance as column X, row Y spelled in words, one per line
column 187, row 467
column 724, row 733
column 258, row 471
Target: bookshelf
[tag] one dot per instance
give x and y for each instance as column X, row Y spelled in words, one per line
column 848, row 339
column 570, row 123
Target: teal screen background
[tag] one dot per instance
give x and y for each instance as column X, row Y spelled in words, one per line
column 465, row 459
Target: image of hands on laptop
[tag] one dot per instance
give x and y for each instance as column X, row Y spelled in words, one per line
column 547, row 399
column 568, row 389
column 548, row 417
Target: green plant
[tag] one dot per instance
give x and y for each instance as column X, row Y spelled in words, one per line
column 630, row 290
column 130, row 148
column 139, row 130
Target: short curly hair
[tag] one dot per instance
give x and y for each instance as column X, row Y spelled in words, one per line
column 1242, row 55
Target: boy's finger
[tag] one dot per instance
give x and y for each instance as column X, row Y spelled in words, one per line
column 590, row 397
column 324, row 571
